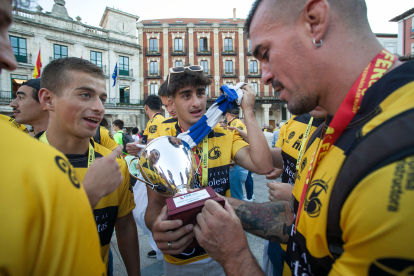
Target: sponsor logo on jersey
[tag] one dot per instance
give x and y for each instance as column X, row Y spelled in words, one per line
column 65, row 166
column 313, row 204
column 298, row 142
column 391, row 266
column 214, row 153
column 291, row 135
column 110, row 135
column 240, row 127
column 152, row 129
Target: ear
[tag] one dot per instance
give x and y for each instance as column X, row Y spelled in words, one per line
column 146, row 107
column 47, row 99
column 316, row 18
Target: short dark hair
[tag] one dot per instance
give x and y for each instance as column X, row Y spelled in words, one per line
column 162, row 91
column 186, row 78
column 119, row 123
column 249, row 18
column 35, row 85
column 153, row 102
column 134, row 130
column 55, row 75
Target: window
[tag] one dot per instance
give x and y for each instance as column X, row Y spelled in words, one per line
column 19, row 48
column 229, row 83
column 16, row 82
column 124, row 94
column 256, row 87
column 96, row 58
column 123, row 66
column 228, row 44
column 250, row 45
column 154, row 68
column 207, row 90
column 178, row 63
column 229, row 66
column 153, row 45
column 154, row 89
column 391, row 49
column 253, row 66
column 60, row 51
column 178, row 44
column 203, row 44
column 204, row 64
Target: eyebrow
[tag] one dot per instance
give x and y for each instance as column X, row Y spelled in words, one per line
column 256, row 51
column 86, row 88
column 185, row 91
column 19, row 92
column 201, row 89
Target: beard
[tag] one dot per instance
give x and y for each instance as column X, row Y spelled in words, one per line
column 302, row 104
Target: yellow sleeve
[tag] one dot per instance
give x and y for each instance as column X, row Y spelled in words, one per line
column 152, row 130
column 282, row 132
column 48, row 226
column 377, row 223
column 13, row 123
column 126, row 197
column 107, row 140
column 166, row 130
column 238, row 143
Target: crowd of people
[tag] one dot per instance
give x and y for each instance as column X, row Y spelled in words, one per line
column 345, row 160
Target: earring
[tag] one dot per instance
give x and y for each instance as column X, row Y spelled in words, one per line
column 317, row 44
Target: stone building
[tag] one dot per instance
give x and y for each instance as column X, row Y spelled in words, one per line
column 58, row 35
column 218, row 45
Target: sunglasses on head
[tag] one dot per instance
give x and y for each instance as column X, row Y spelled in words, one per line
column 180, row 69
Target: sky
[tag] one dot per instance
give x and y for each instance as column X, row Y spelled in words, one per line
column 91, row 11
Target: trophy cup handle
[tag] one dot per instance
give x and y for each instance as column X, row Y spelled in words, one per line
column 152, row 186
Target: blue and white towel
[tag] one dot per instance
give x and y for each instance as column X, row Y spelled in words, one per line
column 230, row 99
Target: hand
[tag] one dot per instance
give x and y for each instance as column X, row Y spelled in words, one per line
column 242, row 133
column 133, row 149
column 103, row 177
column 274, row 174
column 165, row 231
column 220, row 232
column 249, row 97
column 279, row 191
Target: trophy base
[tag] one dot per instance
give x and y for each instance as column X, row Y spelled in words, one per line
column 186, row 207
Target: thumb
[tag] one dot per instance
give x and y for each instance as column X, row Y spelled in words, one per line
column 117, row 151
column 163, row 215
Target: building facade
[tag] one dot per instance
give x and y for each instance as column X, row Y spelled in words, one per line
column 389, row 42
column 55, row 34
column 219, row 46
column 405, row 33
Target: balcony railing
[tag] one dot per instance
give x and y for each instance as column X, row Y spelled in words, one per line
column 124, row 102
column 229, row 74
column 203, row 51
column 251, row 74
column 153, row 75
column 207, row 73
column 153, row 51
column 178, row 52
column 248, row 52
column 6, row 96
column 228, row 51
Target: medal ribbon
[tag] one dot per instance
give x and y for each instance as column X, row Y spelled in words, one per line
column 346, row 112
column 91, row 156
column 302, row 146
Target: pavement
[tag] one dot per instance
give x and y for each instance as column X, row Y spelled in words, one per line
column 154, row 267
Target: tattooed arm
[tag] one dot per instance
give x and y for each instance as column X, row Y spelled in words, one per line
column 271, row 220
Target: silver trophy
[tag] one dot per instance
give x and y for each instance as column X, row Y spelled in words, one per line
column 167, row 165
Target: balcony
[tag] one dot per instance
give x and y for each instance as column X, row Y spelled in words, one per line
column 151, row 52
column 251, row 74
column 153, row 75
column 6, row 97
column 178, row 52
column 207, row 73
column 228, row 52
column 229, row 74
column 248, row 52
column 202, row 51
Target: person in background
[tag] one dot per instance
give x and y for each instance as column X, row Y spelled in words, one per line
column 135, row 134
column 269, row 135
column 275, row 135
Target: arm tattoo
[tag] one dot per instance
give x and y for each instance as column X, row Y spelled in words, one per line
column 271, row 220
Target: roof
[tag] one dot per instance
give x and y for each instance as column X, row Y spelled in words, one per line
column 403, row 15
column 386, row 35
column 185, row 21
column 107, row 9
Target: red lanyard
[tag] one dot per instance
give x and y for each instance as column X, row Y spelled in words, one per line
column 346, row 112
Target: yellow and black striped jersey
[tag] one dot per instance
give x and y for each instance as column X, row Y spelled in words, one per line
column 48, row 227
column 117, row 204
column 378, row 239
column 13, row 122
column 152, row 128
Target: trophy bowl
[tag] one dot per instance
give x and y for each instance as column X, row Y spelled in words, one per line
column 167, row 166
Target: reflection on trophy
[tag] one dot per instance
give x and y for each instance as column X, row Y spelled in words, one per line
column 168, row 166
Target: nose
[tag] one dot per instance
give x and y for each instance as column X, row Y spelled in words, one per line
column 7, row 59
column 196, row 102
column 14, row 103
column 98, row 105
column 267, row 75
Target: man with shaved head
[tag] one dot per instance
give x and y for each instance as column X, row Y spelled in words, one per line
column 350, row 213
